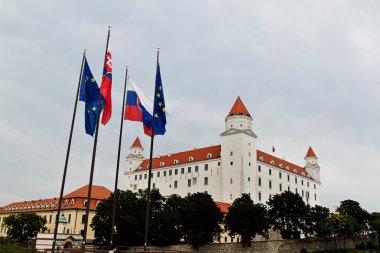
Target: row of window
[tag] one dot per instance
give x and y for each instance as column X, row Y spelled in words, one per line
column 190, row 182
column 304, row 194
column 280, row 176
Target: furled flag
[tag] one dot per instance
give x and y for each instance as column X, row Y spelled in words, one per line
column 159, row 110
column 273, row 149
column 106, row 86
column 138, row 107
column 89, row 93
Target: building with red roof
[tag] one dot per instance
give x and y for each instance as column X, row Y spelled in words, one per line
column 73, row 210
column 227, row 170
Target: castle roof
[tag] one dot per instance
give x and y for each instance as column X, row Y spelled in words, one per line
column 239, row 109
column 223, row 206
column 213, row 152
column 310, row 153
column 73, row 200
column 137, row 143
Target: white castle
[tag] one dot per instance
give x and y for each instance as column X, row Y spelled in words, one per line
column 228, row 170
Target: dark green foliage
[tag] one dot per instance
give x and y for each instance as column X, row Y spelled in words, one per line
column 315, row 218
column 200, row 219
column 374, row 223
column 247, row 220
column 353, row 209
column 287, row 213
column 21, row 227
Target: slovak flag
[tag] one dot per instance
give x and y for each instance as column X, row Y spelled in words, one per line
column 138, row 107
column 105, row 87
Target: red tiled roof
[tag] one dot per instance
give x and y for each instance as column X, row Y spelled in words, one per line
column 97, row 192
column 223, row 206
column 281, row 164
column 239, row 109
column 201, row 155
column 197, row 155
column 310, row 153
column 42, row 205
column 137, row 143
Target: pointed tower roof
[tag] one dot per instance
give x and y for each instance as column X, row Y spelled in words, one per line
column 310, row 153
column 137, row 143
column 239, row 109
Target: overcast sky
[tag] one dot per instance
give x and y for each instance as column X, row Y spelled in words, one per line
column 307, row 71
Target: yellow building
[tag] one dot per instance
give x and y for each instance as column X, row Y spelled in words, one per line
column 73, row 210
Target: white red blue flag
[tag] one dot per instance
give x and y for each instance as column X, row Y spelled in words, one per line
column 106, row 86
column 138, row 107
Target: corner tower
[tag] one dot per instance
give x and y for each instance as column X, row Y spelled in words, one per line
column 238, row 154
column 311, row 165
column 135, row 157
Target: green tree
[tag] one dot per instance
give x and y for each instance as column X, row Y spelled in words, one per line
column 200, row 219
column 246, row 219
column 352, row 208
column 374, row 223
column 21, row 227
column 287, row 213
column 314, row 221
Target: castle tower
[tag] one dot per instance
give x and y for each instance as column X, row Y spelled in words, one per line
column 238, row 154
column 311, row 165
column 135, row 156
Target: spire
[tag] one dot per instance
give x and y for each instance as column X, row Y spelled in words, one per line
column 239, row 109
column 310, row 153
column 136, row 143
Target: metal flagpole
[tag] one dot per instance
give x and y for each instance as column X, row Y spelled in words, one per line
column 93, row 157
column 118, row 160
column 67, row 157
column 150, row 171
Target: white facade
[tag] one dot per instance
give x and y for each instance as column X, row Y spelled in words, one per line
column 226, row 171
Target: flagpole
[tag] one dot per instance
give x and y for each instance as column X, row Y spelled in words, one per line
column 150, row 171
column 93, row 158
column 67, row 156
column 118, row 160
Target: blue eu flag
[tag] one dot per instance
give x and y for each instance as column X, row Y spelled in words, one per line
column 159, row 114
column 89, row 93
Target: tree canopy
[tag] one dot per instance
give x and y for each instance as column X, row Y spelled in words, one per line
column 246, row 219
column 353, row 209
column 23, row 226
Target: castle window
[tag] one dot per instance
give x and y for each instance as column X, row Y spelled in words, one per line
column 175, row 184
column 259, row 196
column 270, row 172
column 154, row 186
column 145, row 176
column 194, row 181
column 83, row 218
column 206, row 181
column 151, row 175
column 206, row 167
column 230, row 180
column 189, row 183
column 279, row 175
column 259, row 168
column 288, row 188
column 261, row 158
column 176, row 161
column 249, row 179
column 232, row 153
column 295, row 180
column 218, row 163
column 135, row 177
column 162, row 164
column 170, row 172
column 314, row 187
column 259, row 181
column 209, row 155
column 232, row 163
column 307, row 184
column 182, row 170
column 249, row 164
column 296, row 191
column 270, row 184
column 158, row 174
column 164, row 173
column 301, row 181
column 191, row 159
column 230, row 196
column 176, row 172
column 188, row 169
column 315, row 196
column 288, row 178
column 69, row 219
column 280, row 187
column 302, row 193
column 140, row 177
column 272, row 162
column 249, row 154
column 196, row 168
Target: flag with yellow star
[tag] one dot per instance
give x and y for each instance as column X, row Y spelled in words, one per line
column 89, row 93
column 159, row 110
